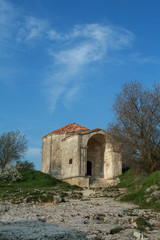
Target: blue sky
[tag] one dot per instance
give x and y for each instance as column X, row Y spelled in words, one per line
column 63, row 61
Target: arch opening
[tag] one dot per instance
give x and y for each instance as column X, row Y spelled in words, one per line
column 95, row 156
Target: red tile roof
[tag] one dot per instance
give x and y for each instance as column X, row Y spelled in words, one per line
column 72, row 128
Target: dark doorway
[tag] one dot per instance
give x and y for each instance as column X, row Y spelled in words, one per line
column 89, row 168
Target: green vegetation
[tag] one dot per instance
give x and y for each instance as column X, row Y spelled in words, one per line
column 35, row 186
column 141, row 190
column 142, row 224
column 116, row 230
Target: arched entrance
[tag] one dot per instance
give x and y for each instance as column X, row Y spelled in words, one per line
column 95, row 156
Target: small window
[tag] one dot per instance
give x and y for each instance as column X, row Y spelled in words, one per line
column 70, row 161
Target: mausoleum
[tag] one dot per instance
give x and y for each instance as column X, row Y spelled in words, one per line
column 81, row 156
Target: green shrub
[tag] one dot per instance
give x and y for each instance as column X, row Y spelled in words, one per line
column 142, row 224
column 116, row 230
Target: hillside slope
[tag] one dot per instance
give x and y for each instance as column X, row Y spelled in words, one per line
column 144, row 191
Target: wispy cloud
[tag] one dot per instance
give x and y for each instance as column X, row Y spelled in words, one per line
column 32, row 29
column 17, row 27
column 7, row 16
column 84, row 45
column 53, row 35
column 139, row 59
column 7, row 27
column 71, row 53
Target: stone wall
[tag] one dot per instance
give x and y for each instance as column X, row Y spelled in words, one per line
column 46, row 152
column 51, row 154
column 70, row 155
column 79, row 181
column 112, row 162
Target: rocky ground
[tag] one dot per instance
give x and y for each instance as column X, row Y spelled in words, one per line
column 92, row 216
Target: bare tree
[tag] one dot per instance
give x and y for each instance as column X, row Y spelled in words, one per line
column 12, row 147
column 137, row 122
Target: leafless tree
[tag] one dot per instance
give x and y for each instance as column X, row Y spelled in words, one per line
column 12, row 147
column 137, row 122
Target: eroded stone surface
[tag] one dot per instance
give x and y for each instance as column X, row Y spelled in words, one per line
column 87, row 218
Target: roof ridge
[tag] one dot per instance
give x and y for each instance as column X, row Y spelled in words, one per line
column 69, row 128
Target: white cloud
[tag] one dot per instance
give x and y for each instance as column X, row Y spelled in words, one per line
column 71, row 52
column 7, row 21
column 7, row 14
column 17, row 27
column 32, row 28
column 139, row 59
column 53, row 35
column 84, row 45
column 71, row 93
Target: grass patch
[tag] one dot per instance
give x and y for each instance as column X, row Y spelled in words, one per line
column 141, row 190
column 35, row 187
column 116, row 230
column 130, row 180
column 2, row 237
column 142, row 224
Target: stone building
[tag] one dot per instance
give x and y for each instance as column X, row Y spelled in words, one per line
column 81, row 156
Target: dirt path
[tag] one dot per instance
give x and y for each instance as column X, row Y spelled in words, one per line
column 86, row 218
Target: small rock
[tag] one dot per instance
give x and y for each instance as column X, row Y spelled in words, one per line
column 57, row 199
column 42, row 220
column 139, row 235
column 154, row 187
column 155, row 194
column 120, row 215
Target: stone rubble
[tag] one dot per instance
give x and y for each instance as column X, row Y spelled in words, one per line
column 154, row 193
column 91, row 217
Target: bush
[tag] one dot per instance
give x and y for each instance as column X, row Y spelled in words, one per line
column 10, row 174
